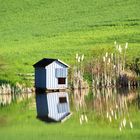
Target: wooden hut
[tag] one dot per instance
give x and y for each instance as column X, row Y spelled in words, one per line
column 51, row 74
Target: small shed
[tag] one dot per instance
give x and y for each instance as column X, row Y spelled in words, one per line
column 51, row 74
column 54, row 106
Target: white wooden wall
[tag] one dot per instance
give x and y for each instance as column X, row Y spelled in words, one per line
column 57, row 110
column 51, row 79
column 48, row 105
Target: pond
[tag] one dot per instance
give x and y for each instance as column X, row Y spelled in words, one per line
column 111, row 104
column 105, row 99
column 8, row 98
column 17, row 93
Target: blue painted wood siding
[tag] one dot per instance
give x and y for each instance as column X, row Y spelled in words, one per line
column 57, row 110
column 41, row 105
column 40, row 77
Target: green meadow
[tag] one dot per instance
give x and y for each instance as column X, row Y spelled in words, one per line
column 33, row 29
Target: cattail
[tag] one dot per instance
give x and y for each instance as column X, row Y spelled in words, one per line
column 82, row 117
column 117, row 47
column 108, row 60
column 115, row 116
column 82, row 58
column 106, row 54
column 131, row 125
column 126, row 46
column 121, row 125
column 77, row 56
column 112, row 56
column 107, row 115
column 124, row 122
column 86, row 119
column 112, row 113
column 120, row 128
column 103, row 59
column 79, row 59
column 120, row 49
column 80, row 121
column 110, row 119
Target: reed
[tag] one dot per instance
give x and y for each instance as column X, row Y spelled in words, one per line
column 10, row 93
column 110, row 69
column 77, row 79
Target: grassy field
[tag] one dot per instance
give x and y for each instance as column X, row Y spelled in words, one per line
column 18, row 122
column 33, row 29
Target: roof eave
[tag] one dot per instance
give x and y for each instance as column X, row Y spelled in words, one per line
column 63, row 63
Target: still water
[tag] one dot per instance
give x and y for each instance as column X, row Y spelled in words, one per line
column 105, row 99
column 109, row 103
column 8, row 98
column 99, row 100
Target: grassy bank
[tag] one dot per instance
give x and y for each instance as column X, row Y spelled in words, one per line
column 33, row 29
column 18, row 122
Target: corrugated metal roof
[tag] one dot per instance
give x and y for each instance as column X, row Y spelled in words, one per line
column 47, row 61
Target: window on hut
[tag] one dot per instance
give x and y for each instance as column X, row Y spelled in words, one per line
column 62, row 105
column 60, row 72
column 62, row 100
column 61, row 80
